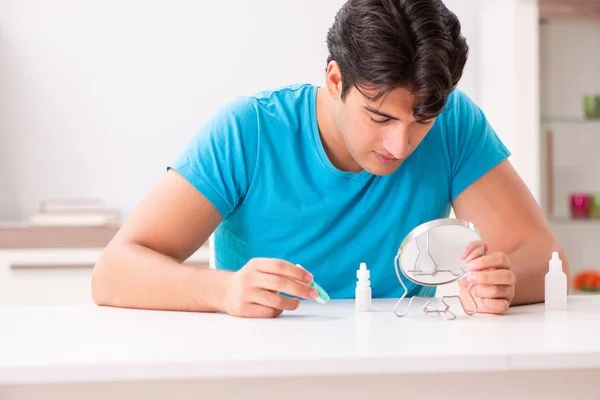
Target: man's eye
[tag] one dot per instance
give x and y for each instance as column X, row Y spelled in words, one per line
column 424, row 122
column 381, row 121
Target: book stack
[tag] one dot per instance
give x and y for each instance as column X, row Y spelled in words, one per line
column 74, row 212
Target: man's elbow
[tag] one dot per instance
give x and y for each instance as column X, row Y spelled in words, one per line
column 531, row 279
column 102, row 286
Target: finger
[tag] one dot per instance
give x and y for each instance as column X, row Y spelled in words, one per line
column 476, row 253
column 278, row 283
column 474, row 249
column 493, row 291
column 251, row 310
column 274, row 300
column 284, row 268
column 493, row 260
column 492, row 306
column 492, row 277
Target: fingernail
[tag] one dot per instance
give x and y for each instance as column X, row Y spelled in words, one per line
column 309, row 278
column 472, row 277
column 313, row 294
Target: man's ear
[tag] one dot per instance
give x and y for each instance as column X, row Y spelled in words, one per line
column 333, row 80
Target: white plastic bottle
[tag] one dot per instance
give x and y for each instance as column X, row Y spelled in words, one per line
column 363, row 288
column 555, row 285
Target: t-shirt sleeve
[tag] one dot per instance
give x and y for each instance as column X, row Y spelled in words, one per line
column 220, row 158
column 474, row 148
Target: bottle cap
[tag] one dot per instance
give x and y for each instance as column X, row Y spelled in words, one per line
column 363, row 273
column 555, row 263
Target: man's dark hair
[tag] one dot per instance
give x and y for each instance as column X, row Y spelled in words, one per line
column 382, row 45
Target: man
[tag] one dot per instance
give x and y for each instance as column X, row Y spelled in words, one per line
column 328, row 177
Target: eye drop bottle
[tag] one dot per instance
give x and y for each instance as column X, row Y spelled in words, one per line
column 555, row 285
column 363, row 288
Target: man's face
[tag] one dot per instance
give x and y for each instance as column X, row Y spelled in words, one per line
column 380, row 136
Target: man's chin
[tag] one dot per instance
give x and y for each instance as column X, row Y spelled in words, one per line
column 382, row 170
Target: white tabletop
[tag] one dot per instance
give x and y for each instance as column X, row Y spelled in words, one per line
column 91, row 343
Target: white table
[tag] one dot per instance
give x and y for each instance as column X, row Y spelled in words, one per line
column 318, row 352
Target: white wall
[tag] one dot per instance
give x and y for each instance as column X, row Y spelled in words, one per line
column 98, row 96
column 102, row 95
column 509, row 81
column 8, row 201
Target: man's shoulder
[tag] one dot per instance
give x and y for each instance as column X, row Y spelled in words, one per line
column 283, row 92
column 247, row 108
column 460, row 106
column 247, row 118
column 457, row 100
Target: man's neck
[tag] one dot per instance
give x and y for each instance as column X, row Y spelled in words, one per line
column 331, row 138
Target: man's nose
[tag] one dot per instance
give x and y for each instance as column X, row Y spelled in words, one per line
column 397, row 144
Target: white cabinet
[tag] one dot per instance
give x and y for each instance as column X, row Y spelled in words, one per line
column 54, row 276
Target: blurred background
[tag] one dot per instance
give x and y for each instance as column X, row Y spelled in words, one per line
column 97, row 97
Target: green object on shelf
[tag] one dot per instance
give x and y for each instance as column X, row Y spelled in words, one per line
column 595, row 206
column 591, row 105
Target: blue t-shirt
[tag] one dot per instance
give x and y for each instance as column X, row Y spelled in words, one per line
column 260, row 161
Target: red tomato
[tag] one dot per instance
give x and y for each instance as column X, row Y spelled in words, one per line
column 589, row 281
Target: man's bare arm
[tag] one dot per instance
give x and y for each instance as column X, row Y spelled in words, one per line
column 142, row 266
column 511, row 222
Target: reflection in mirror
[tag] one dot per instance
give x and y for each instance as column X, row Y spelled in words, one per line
column 430, row 255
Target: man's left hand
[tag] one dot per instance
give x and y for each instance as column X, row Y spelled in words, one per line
column 492, row 277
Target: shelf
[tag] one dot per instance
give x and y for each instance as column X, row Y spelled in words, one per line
column 570, row 121
column 569, row 10
column 574, row 221
column 22, row 236
column 52, row 257
column 575, row 292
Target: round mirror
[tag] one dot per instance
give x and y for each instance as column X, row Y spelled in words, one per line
column 431, row 253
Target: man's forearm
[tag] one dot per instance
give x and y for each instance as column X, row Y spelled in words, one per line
column 133, row 276
column 530, row 265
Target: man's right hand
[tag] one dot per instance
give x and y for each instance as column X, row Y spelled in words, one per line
column 253, row 291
